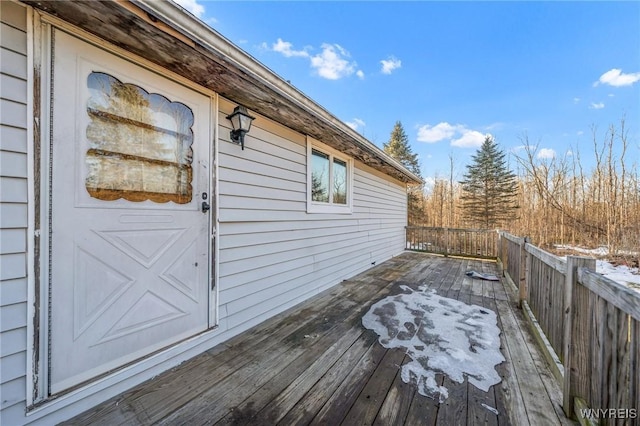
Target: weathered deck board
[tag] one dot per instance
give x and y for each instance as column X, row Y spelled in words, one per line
column 317, row 364
column 509, row 390
column 424, row 411
column 312, row 402
column 397, row 402
column 477, row 413
column 366, row 406
column 339, row 403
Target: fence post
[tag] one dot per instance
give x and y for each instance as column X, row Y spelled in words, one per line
column 522, row 279
column 574, row 310
column 446, row 242
column 502, row 256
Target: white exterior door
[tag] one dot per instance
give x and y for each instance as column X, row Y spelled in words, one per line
column 130, row 242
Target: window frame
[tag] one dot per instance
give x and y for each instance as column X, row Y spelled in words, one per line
column 329, row 207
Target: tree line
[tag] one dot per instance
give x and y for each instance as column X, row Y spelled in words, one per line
column 551, row 200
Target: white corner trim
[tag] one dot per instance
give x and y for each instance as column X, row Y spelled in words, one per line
column 32, row 233
column 214, row 295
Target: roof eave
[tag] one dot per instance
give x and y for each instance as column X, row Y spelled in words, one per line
column 194, row 28
column 173, row 38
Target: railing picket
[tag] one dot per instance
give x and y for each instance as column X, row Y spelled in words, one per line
column 609, row 372
column 581, row 340
column 634, row 366
column 623, row 382
column 557, row 322
column 522, row 272
column 597, row 306
column 575, row 334
column 452, row 241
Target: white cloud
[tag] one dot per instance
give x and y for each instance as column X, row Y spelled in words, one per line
column 469, row 139
column 356, row 123
column 332, row 63
column 459, row 135
column 441, row 131
column 569, row 153
column 287, row 50
column 192, row 6
column 546, row 153
column 615, row 77
column 494, row 126
column 580, row 133
column 576, row 100
column 598, row 105
column 390, row 64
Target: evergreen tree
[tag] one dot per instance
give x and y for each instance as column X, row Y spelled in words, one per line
column 398, row 147
column 489, row 197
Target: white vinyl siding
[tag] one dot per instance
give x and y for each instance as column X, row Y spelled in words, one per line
column 273, row 254
column 13, row 212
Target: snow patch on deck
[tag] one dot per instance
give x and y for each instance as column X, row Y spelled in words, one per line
column 441, row 335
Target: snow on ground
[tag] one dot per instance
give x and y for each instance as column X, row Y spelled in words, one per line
column 598, row 251
column 621, row 273
column 441, row 335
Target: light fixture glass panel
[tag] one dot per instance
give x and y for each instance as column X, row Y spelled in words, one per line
column 245, row 122
column 235, row 121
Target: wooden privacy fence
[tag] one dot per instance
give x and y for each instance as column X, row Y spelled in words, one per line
column 545, row 295
column 453, row 242
column 591, row 323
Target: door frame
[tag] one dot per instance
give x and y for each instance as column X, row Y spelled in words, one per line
column 41, row 50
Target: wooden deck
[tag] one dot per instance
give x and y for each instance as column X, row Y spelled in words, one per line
column 317, row 364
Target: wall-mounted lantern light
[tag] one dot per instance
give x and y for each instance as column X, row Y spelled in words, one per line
column 241, row 122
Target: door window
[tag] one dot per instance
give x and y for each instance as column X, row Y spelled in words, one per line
column 139, row 144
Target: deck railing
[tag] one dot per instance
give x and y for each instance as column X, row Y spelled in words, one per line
column 590, row 326
column 453, row 241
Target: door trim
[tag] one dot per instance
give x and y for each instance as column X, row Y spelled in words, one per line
column 40, row 32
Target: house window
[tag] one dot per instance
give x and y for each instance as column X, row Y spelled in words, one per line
column 339, row 181
column 139, row 144
column 320, row 179
column 329, row 180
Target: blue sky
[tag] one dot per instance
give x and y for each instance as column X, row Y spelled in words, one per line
column 452, row 72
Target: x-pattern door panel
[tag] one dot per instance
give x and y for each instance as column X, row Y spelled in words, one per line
column 130, row 262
